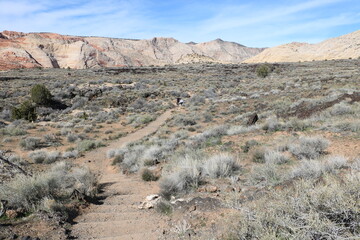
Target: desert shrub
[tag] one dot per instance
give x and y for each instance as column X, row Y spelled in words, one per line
column 52, row 157
column 59, row 183
column 235, row 130
column 148, row 175
column 309, row 147
column 38, row 156
column 259, row 155
column 25, row 111
column 31, row 143
column 132, row 159
column 266, row 174
column 164, row 207
column 51, row 140
column 262, row 70
column 186, row 175
column 200, row 140
column 341, row 109
column 308, row 210
column 197, row 100
column 352, row 126
column 356, row 164
column 70, row 154
column 153, row 155
column 184, row 120
column 313, row 168
column 12, row 131
column 296, row 124
column 276, row 157
column 272, row 124
column 219, row 166
column 178, row 182
column 138, row 120
column 71, row 137
column 40, row 95
column 44, row 156
column 5, row 114
column 87, row 145
column 248, row 145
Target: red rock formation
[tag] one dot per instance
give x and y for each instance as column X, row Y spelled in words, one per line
column 50, row 50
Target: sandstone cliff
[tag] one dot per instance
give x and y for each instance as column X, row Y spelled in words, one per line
column 49, row 50
column 343, row 47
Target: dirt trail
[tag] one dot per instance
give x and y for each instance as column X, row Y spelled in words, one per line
column 117, row 216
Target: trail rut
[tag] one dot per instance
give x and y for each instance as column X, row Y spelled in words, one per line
column 117, row 216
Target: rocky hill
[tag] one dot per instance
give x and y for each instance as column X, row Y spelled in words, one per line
column 49, row 50
column 343, row 47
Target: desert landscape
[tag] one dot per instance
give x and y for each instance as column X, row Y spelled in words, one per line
column 94, row 145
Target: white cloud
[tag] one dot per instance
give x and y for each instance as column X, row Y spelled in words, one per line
column 249, row 23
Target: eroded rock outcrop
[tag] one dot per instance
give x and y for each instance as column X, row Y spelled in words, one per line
column 49, row 50
column 343, row 47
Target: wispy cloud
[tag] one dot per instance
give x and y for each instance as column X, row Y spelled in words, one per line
column 253, row 23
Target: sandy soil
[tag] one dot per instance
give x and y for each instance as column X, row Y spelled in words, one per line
column 118, row 216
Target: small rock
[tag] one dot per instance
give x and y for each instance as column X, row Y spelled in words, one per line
column 174, row 201
column 192, row 208
column 253, row 118
column 11, row 214
column 230, row 189
column 201, row 189
column 150, row 201
column 211, row 189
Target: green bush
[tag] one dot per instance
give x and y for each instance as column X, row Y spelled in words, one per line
column 262, row 71
column 148, row 175
column 40, row 95
column 26, row 111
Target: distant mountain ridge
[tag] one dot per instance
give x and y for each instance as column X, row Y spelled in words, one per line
column 51, row 50
column 343, row 47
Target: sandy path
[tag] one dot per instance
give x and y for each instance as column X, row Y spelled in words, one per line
column 118, row 216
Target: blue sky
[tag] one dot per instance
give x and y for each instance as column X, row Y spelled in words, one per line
column 257, row 23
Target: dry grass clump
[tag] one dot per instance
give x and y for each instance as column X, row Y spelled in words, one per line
column 220, row 166
column 12, row 131
column 138, row 120
column 308, row 210
column 31, row 143
column 276, row 157
column 190, row 170
column 315, row 168
column 266, row 174
column 205, row 138
column 87, row 145
column 309, row 147
column 59, row 183
column 44, row 156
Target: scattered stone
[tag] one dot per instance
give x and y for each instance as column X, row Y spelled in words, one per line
column 252, row 119
column 11, row 214
column 150, row 201
column 233, row 189
column 174, row 201
column 192, row 208
column 211, row 189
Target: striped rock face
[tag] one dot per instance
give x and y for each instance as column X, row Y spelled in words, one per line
column 49, row 50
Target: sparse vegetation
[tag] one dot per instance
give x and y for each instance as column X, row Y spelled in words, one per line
column 276, row 176
column 58, row 184
column 309, row 147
